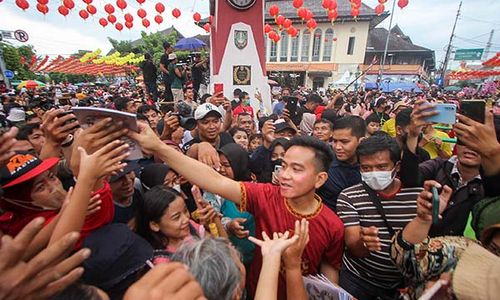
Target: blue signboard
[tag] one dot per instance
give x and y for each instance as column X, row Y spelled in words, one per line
column 9, row 74
column 440, row 81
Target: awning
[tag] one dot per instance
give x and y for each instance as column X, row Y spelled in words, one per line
column 388, row 87
column 319, row 74
column 301, row 67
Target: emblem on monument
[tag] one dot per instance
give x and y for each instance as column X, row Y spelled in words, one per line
column 241, row 38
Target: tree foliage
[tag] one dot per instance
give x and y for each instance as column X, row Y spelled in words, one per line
column 12, row 57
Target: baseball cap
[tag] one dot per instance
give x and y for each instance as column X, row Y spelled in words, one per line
column 281, row 125
column 203, row 110
column 22, row 167
column 131, row 166
column 172, row 56
column 399, row 104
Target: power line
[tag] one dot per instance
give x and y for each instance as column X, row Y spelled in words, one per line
column 478, row 20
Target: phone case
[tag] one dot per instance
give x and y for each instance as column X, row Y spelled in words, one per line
column 435, row 205
column 447, row 114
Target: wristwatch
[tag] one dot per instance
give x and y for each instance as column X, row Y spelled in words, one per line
column 68, row 141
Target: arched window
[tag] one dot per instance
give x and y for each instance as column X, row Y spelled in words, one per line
column 327, row 47
column 272, row 51
column 284, row 46
column 294, row 55
column 265, row 47
column 316, row 45
column 306, row 41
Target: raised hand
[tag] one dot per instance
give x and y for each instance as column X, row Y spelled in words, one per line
column 276, row 245
column 104, row 161
column 208, row 155
column 292, row 256
column 7, row 140
column 369, row 236
column 206, row 212
column 146, row 137
column 424, row 200
column 56, row 126
column 477, row 136
column 236, row 228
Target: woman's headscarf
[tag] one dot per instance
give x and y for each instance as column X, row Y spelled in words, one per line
column 154, row 174
column 238, row 159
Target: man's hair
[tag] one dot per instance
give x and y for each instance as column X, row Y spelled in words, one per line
column 147, row 56
column 166, row 45
column 242, row 95
column 232, row 131
column 26, row 130
column 324, row 121
column 323, row 154
column 315, row 98
column 78, row 291
column 145, row 108
column 372, row 118
column 330, row 115
column 121, row 103
column 403, row 118
column 184, row 90
column 378, row 142
column 286, row 88
column 355, row 123
column 236, row 92
column 244, row 114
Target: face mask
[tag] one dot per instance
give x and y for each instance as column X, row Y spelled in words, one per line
column 177, row 187
column 378, row 180
column 247, row 102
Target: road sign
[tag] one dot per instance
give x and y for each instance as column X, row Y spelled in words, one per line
column 21, row 35
column 469, row 54
column 9, row 74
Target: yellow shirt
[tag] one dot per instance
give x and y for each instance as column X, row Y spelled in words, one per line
column 432, row 149
column 390, row 127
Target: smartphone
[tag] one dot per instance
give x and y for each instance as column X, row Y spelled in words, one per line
column 291, row 105
column 435, row 205
column 72, row 120
column 218, row 88
column 446, row 114
column 473, row 109
column 277, row 168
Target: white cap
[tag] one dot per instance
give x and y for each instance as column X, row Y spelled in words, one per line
column 172, row 56
column 16, row 115
column 203, row 110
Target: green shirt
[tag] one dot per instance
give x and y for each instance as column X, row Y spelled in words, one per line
column 177, row 82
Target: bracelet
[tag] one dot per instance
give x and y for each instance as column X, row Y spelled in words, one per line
column 68, row 141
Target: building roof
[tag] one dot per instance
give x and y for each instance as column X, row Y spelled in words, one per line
column 398, row 41
column 366, row 13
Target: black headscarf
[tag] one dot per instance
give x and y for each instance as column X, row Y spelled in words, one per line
column 154, row 174
column 238, row 159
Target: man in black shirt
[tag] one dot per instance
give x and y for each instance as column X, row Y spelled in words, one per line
column 149, row 74
column 199, row 66
column 164, row 62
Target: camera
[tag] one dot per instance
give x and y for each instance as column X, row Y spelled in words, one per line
column 187, row 123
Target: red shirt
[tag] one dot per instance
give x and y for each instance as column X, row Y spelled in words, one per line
column 241, row 109
column 272, row 214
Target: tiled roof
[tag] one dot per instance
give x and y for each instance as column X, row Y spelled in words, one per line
column 398, row 41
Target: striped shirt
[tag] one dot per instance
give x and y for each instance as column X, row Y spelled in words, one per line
column 355, row 208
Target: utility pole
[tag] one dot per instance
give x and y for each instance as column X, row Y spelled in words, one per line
column 488, row 46
column 448, row 51
column 382, row 62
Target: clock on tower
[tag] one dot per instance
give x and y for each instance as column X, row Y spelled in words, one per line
column 237, row 48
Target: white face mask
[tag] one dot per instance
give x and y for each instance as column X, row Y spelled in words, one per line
column 177, row 187
column 378, row 180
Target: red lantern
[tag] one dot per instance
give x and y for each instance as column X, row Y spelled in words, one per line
column 69, row 4
column 333, row 5
column 277, row 38
column 141, row 2
column 326, row 4
column 83, row 14
column 91, row 9
column 196, row 17
column 332, row 15
column 119, row 26
column 379, row 9
column 128, row 17
column 402, row 3
column 22, row 4
column 298, row 3
column 109, row 8
column 145, row 23
column 309, row 15
column 103, row 22
column 206, row 27
column 334, row 39
column 267, row 28
column 44, row 9
column 311, row 24
column 176, row 13
column 302, row 13
column 290, row 30
column 112, row 19
column 63, row 10
column 158, row 19
column 271, row 34
column 354, row 12
column 141, row 13
column 211, row 19
column 280, row 19
column 382, row 1
column 43, row 2
column 129, row 25
column 87, row 1
column 295, row 32
column 160, row 8
column 356, row 3
column 287, row 23
column 121, row 4
column 274, row 10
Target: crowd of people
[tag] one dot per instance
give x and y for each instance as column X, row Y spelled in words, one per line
column 232, row 203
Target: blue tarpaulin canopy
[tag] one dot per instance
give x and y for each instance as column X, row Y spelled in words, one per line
column 190, row 44
column 388, row 87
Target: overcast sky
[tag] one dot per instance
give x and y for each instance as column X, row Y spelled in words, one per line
column 427, row 22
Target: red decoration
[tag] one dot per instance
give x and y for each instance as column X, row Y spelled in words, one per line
column 87, row 1
column 302, row 13
column 382, row 1
column 291, row 30
column 379, row 9
column 83, row 14
column 206, row 27
column 23, row 60
column 128, row 17
column 158, row 19
column 119, row 26
column 109, row 8
column 160, row 8
column 91, row 9
column 356, row 3
column 332, row 15
column 211, row 19
column 176, row 13
column 311, row 24
column 298, row 3
column 129, row 25
column 63, row 10
column 333, row 5
column 196, row 17
column 309, row 15
column 121, row 4
column 112, row 19
column 145, row 23
column 141, row 2
column 274, row 10
column 69, row 4
column 280, row 19
column 141, row 13
column 287, row 23
column 44, row 9
column 326, row 4
column 402, row 3
column 354, row 12
column 43, row 2
column 334, row 39
column 267, row 28
column 22, row 4
column 103, row 22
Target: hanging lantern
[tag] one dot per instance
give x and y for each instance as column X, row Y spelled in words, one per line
column 121, row 4
column 145, row 23
column 43, row 2
column 128, row 17
column 109, row 8
column 309, row 15
column 206, row 27
column 379, row 9
column 311, row 24
column 402, row 3
column 103, row 22
column 274, row 10
column 44, row 9
column 160, row 8
column 277, row 38
column 267, row 28
column 334, row 39
column 119, row 26
column 333, row 5
column 290, row 30
column 83, row 14
column 69, row 4
column 129, row 25
column 280, row 19
column 176, row 13
column 302, row 12
column 332, row 15
column 63, row 10
column 141, row 2
column 355, row 3
column 87, row 1
column 287, row 23
column 295, row 32
column 91, row 9
column 196, row 17
column 158, row 19
column 141, row 13
column 298, row 3
column 112, row 19
column 22, row 4
column 382, row 1
column 354, row 12
column 326, row 4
